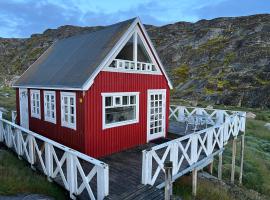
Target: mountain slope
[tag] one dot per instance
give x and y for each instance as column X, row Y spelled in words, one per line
column 223, row 61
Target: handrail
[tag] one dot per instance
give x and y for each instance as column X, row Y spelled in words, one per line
column 190, row 147
column 37, row 149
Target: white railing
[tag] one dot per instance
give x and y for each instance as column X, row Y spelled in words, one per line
column 133, row 66
column 186, row 151
column 78, row 172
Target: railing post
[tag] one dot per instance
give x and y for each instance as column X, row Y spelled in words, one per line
column 31, row 151
column 19, row 142
column 242, row 158
column 220, row 116
column 181, row 114
column 1, row 130
column 145, row 167
column 220, row 165
column 194, row 148
column 13, row 116
column 48, row 161
column 174, row 157
column 1, row 115
column 71, row 175
column 209, row 141
column 168, row 180
column 233, row 158
column 102, row 181
column 194, row 182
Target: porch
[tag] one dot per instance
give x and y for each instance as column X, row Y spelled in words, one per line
column 136, row 173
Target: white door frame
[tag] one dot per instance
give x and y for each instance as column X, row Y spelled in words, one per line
column 24, row 112
column 162, row 133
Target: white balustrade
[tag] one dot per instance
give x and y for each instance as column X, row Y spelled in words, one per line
column 186, row 151
column 77, row 171
column 129, row 65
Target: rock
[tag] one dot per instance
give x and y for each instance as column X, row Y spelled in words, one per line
column 3, row 110
column 209, row 107
column 267, row 125
column 251, row 115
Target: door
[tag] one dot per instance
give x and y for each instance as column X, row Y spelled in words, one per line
column 156, row 112
column 24, row 117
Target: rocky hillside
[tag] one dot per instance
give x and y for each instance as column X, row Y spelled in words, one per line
column 222, row 61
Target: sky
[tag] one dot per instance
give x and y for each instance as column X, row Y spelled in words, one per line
column 21, row 18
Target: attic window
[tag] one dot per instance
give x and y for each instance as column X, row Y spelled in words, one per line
column 68, row 109
column 35, row 103
column 134, row 57
column 120, row 109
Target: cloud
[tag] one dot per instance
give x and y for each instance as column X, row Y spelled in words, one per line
column 21, row 18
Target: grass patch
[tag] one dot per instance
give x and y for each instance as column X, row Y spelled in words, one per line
column 17, row 177
column 206, row 190
column 8, row 100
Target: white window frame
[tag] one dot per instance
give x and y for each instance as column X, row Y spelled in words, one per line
column 63, row 122
column 46, row 117
column 33, row 111
column 115, row 95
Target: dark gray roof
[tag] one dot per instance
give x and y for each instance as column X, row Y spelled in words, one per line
column 69, row 62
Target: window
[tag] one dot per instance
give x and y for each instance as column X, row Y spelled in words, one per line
column 120, row 109
column 35, row 103
column 49, row 106
column 68, row 109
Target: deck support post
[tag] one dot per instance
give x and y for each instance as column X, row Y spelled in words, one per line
column 233, row 158
column 168, row 180
column 210, row 168
column 242, row 158
column 194, row 182
column 220, row 165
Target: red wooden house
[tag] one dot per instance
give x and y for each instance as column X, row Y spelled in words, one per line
column 99, row 92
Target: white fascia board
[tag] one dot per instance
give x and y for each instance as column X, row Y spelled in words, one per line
column 90, row 81
column 155, row 53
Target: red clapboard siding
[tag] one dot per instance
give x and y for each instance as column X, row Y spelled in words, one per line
column 66, row 136
column 103, row 142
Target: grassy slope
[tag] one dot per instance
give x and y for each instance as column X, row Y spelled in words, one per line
column 17, row 177
column 7, row 100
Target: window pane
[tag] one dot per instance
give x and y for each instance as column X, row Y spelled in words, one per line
column 120, row 114
column 72, row 109
column 117, row 101
column 125, row 100
column 66, row 109
column 66, row 118
column 72, row 119
column 132, row 99
column 65, row 100
column 127, row 52
column 142, row 54
column 108, row 101
column 71, row 101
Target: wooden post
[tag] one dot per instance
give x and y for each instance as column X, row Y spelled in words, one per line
column 210, row 168
column 168, row 180
column 194, row 182
column 242, row 158
column 233, row 158
column 220, row 166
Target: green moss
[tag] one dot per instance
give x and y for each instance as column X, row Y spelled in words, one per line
column 229, row 58
column 181, row 73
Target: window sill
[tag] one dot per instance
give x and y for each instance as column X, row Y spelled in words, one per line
column 69, row 126
column 117, row 124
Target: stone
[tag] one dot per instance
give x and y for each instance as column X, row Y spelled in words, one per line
column 251, row 115
column 267, row 125
column 209, row 107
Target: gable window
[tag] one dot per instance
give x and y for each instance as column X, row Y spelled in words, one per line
column 35, row 103
column 68, row 109
column 134, row 57
column 49, row 106
column 120, row 109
